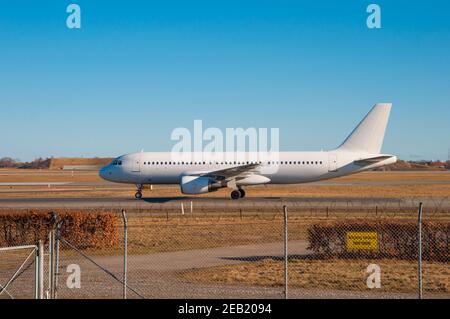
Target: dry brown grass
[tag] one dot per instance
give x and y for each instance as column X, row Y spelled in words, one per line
column 334, row 274
column 415, row 184
column 160, row 235
column 36, row 175
column 148, row 234
column 387, row 191
column 167, row 230
column 397, row 176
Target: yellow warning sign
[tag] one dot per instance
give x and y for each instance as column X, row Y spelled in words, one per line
column 362, row 240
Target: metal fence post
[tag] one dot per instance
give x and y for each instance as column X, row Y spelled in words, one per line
column 41, row 269
column 285, row 252
column 125, row 252
column 420, row 250
column 56, row 267
column 36, row 272
column 51, row 265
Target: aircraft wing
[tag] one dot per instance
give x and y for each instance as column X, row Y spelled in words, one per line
column 235, row 172
column 372, row 160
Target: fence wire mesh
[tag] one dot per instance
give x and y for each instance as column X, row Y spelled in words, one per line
column 354, row 250
column 17, row 273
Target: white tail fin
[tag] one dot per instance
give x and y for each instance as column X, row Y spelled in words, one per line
column 369, row 134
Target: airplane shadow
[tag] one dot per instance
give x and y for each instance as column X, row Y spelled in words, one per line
column 180, row 198
column 156, row 200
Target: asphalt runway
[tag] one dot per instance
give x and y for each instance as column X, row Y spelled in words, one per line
column 218, row 202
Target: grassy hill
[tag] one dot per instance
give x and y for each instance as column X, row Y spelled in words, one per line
column 60, row 162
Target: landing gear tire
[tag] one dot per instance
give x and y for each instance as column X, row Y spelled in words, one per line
column 236, row 194
column 138, row 195
column 242, row 192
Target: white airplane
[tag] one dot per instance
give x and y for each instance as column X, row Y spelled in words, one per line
column 359, row 152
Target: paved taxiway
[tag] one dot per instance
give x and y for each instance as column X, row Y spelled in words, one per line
column 217, row 202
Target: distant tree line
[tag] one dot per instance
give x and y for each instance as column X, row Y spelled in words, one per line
column 436, row 163
column 8, row 162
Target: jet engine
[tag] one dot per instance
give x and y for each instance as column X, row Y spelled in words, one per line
column 198, row 185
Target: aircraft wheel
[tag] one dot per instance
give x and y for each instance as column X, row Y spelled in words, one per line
column 235, row 194
column 138, row 195
column 242, row 192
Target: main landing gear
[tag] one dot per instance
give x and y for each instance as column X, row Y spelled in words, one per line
column 138, row 194
column 237, row 193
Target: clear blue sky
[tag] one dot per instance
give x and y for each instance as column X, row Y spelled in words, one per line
column 138, row 69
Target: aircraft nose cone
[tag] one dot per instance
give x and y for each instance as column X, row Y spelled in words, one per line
column 103, row 173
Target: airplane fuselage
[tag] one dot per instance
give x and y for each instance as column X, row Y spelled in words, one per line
column 285, row 168
column 199, row 173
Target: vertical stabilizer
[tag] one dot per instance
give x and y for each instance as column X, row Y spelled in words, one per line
column 369, row 134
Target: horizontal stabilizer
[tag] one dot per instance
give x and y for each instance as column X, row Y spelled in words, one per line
column 372, row 160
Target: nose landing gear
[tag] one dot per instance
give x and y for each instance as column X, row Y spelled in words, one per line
column 138, row 194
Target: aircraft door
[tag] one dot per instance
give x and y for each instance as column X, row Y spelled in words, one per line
column 136, row 167
column 332, row 162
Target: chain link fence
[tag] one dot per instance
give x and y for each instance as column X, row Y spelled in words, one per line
column 351, row 250
column 22, row 271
